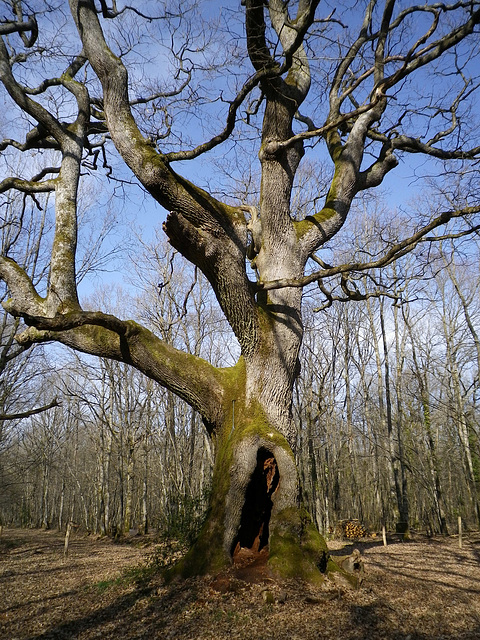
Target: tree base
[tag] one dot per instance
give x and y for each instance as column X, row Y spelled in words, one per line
column 254, row 509
column 296, row 551
column 402, row 530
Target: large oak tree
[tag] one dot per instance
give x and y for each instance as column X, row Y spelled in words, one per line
column 373, row 82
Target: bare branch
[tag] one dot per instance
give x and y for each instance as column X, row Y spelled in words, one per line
column 34, row 109
column 330, row 125
column 27, row 186
column 267, row 69
column 163, row 94
column 30, row 412
column 75, row 319
column 396, row 251
column 353, row 296
column 22, row 27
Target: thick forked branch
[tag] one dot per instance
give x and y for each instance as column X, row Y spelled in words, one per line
column 62, row 290
column 346, row 143
column 22, row 27
column 209, row 233
column 18, row 27
column 17, row 93
column 291, row 35
column 283, row 97
column 150, row 167
column 23, row 294
column 190, row 377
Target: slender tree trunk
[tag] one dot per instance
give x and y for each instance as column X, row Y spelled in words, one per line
column 144, row 512
column 129, row 484
column 146, row 469
column 356, row 496
column 191, row 449
column 422, row 380
column 101, row 527
column 62, row 501
column 395, row 447
column 45, row 494
column 399, row 424
column 459, row 413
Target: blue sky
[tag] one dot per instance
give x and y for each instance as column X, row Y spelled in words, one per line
column 135, row 210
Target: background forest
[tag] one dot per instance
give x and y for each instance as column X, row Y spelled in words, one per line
column 386, row 403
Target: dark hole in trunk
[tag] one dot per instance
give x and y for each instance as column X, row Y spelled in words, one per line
column 253, row 532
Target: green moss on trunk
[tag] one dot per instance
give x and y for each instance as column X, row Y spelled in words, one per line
column 297, row 550
column 243, row 443
column 208, row 554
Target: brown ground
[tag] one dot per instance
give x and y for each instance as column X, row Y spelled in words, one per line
column 422, row 590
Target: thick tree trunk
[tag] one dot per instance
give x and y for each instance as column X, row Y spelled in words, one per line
column 255, row 501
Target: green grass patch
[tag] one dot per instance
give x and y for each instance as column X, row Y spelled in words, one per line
column 138, row 576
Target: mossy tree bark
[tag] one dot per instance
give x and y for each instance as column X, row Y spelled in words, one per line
column 247, row 409
column 255, row 495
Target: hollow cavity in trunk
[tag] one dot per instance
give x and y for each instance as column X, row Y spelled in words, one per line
column 254, row 524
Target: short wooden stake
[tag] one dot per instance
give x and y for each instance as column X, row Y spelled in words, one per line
column 384, row 536
column 67, row 538
column 459, row 532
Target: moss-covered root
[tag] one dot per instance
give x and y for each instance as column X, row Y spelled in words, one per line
column 298, row 551
column 346, row 570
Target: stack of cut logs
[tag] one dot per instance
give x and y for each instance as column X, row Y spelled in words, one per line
column 350, row 529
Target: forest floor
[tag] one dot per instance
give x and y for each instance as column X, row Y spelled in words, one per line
column 426, row 589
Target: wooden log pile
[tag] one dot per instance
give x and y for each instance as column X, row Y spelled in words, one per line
column 350, row 529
